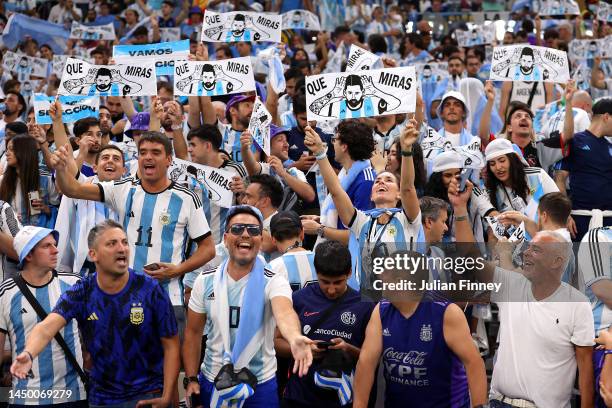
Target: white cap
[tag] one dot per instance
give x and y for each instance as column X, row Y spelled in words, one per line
column 27, row 238
column 499, row 147
column 453, row 94
column 448, row 160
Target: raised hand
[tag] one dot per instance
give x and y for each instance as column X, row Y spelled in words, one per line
column 409, row 135
column 489, row 90
column 312, row 140
column 570, row 90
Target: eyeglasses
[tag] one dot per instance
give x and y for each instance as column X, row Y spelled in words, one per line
column 253, row 230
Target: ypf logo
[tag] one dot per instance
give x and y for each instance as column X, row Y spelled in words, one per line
column 348, row 318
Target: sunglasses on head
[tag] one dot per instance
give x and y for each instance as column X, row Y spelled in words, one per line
column 253, row 230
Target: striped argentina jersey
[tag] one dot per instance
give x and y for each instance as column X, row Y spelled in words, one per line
column 263, row 364
column 595, row 262
column 297, row 267
column 158, row 225
column 535, row 75
column 399, row 231
column 51, row 369
column 230, row 141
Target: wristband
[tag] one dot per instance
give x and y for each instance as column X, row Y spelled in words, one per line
column 321, row 231
column 607, row 352
column 322, row 154
column 407, row 153
column 177, row 127
column 461, row 218
column 29, row 354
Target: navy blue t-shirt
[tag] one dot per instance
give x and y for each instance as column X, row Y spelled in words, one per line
column 590, row 166
column 123, row 334
column 348, row 321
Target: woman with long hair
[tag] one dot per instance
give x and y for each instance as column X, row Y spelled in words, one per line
column 511, row 183
column 448, row 166
column 29, row 190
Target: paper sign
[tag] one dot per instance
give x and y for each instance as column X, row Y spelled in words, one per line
column 73, row 108
column 100, row 32
column 360, row 59
column 82, row 78
column 241, row 26
column 259, row 125
column 28, row 87
column 301, row 20
column 478, row 35
column 164, row 54
column 170, row 34
column 57, row 64
column 558, row 7
column 211, row 78
column 604, row 11
column 589, row 49
column 345, row 95
column 432, row 71
column 215, row 181
column 529, row 63
column 25, row 66
column 518, row 234
column 433, row 143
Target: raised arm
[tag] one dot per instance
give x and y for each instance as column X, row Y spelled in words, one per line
column 178, row 140
column 251, row 165
column 290, row 328
column 301, row 188
column 408, row 194
column 342, row 201
column 568, row 122
column 484, row 130
column 61, row 139
column 36, row 341
column 368, row 361
column 157, row 110
column 206, row 107
column 194, row 115
column 66, row 181
column 128, row 107
column 505, row 99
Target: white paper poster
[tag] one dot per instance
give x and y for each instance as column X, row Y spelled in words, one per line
column 241, row 26
column 301, row 20
column 604, row 11
column 478, row 35
column 529, row 63
column 590, row 48
column 346, row 95
column 25, row 66
column 212, row 78
column 259, row 125
column 360, row 59
column 558, row 7
column 215, row 181
column 170, row 34
column 432, row 71
column 100, row 32
column 82, row 78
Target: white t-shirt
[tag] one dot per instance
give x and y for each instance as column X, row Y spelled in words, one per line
column 536, row 359
column 263, row 364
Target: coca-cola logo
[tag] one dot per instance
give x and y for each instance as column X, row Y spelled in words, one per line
column 415, row 358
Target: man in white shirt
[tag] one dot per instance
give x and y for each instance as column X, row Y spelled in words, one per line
column 453, row 111
column 65, row 12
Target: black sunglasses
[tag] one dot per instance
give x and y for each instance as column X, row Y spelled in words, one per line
column 253, row 230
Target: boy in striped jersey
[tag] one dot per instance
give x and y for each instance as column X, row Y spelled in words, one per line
column 595, row 263
column 158, row 215
column 37, row 252
column 296, row 264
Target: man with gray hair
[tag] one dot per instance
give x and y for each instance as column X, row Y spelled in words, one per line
column 127, row 323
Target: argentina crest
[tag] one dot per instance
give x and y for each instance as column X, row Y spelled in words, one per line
column 136, row 314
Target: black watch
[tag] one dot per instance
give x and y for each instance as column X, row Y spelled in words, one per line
column 188, row 380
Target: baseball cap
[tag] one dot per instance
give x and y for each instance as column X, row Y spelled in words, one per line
column 285, row 220
column 234, row 101
column 602, row 106
column 448, row 160
column 243, row 209
column 139, row 122
column 456, row 95
column 499, row 147
column 276, row 130
column 27, row 238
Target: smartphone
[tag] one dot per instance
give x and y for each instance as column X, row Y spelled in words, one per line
column 2, row 107
column 33, row 195
column 151, row 267
column 463, row 178
column 324, row 344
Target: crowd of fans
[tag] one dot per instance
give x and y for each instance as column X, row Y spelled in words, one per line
column 124, row 284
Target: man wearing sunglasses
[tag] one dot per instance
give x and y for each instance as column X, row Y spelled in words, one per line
column 240, row 362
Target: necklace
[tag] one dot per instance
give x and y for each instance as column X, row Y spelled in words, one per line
column 296, row 244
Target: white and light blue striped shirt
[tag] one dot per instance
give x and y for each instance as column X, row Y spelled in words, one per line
column 51, row 368
column 297, row 267
column 158, row 225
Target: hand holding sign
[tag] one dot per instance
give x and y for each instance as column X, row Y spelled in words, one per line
column 313, row 141
column 409, row 135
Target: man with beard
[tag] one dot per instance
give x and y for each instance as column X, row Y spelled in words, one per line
column 526, row 69
column 239, row 32
column 353, row 97
column 453, row 111
column 104, row 86
column 456, row 70
column 106, row 124
column 238, row 114
column 89, row 136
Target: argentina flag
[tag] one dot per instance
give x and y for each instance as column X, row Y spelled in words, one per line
column 20, row 26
